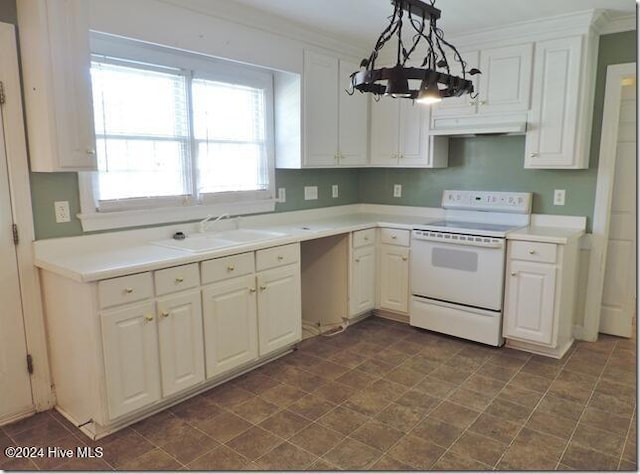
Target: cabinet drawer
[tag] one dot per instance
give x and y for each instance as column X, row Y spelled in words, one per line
column 277, row 256
column 228, row 267
column 395, row 237
column 123, row 290
column 176, row 279
column 533, row 251
column 364, row 237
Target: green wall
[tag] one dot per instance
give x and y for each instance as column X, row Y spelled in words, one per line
column 482, row 163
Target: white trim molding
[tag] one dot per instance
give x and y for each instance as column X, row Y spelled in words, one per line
column 15, row 142
column 618, row 23
column 604, row 193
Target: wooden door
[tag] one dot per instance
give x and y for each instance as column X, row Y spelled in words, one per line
column 394, row 278
column 132, row 368
column 413, row 139
column 320, row 109
column 230, row 324
column 363, row 280
column 619, row 291
column 385, row 128
column 180, row 339
column 353, row 120
column 529, row 302
column 279, row 317
column 15, row 394
column 506, row 79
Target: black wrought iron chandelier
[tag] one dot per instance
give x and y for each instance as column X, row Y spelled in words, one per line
column 426, row 84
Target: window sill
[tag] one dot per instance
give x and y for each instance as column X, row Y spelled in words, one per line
column 117, row 220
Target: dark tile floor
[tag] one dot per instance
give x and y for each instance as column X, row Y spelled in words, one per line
column 383, row 396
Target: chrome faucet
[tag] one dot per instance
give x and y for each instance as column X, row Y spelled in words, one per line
column 202, row 225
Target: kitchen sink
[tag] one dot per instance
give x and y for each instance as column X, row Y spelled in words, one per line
column 205, row 242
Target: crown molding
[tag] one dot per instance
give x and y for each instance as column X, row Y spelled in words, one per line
column 530, row 30
column 618, row 23
column 272, row 24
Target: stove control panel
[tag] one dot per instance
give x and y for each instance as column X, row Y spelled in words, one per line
column 494, row 201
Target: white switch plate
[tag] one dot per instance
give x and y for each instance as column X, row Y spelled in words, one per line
column 559, row 197
column 282, row 195
column 310, row 193
column 397, row 190
column 62, row 211
column 334, row 191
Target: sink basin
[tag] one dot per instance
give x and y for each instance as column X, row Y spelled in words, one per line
column 248, row 235
column 210, row 241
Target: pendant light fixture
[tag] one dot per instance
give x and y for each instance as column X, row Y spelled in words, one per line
column 426, row 84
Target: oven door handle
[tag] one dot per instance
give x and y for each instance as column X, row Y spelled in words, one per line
column 465, row 243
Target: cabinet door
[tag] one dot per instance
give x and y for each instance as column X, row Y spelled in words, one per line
column 353, row 120
column 279, row 308
column 230, row 324
column 320, row 109
column 130, row 346
column 384, row 131
column 54, row 37
column 553, row 119
column 413, row 140
column 363, row 280
column 464, row 105
column 506, row 79
column 394, row 278
column 529, row 301
column 180, row 336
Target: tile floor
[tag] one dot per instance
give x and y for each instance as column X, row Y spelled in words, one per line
column 383, row 396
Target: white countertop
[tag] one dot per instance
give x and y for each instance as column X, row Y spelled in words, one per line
column 100, row 256
column 552, row 235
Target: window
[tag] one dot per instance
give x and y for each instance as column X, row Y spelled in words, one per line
column 176, row 130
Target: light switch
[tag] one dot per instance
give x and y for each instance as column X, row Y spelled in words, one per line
column 282, row 195
column 397, row 190
column 334, row 191
column 310, row 193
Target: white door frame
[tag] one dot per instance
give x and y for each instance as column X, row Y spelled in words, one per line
column 604, row 194
column 19, row 187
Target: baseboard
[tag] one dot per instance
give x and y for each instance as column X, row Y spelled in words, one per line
column 399, row 317
column 17, row 416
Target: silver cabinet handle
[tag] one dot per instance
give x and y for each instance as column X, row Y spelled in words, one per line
column 263, row 287
column 404, row 259
column 165, row 314
column 514, row 274
column 482, row 102
column 148, row 317
column 179, row 279
column 531, row 251
column 252, row 290
column 533, row 155
column 357, row 260
column 394, row 236
column 90, row 151
column 231, row 268
column 128, row 290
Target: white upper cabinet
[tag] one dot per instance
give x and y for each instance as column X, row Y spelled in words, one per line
column 54, row 44
column 505, row 82
column 503, row 86
column 400, row 136
column 553, row 126
column 335, row 124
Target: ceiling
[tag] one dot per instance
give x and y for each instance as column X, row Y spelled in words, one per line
column 361, row 21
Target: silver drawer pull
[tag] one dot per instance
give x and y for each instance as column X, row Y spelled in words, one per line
column 533, row 155
column 252, row 290
column 179, row 279
column 128, row 290
column 280, row 258
column 148, row 317
column 514, row 274
column 531, row 251
column 394, row 236
column 165, row 314
column 231, row 268
column 404, row 259
column 262, row 287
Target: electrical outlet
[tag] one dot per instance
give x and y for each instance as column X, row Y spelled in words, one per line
column 282, row 195
column 397, row 190
column 62, row 211
column 310, row 193
column 334, row 191
column 559, row 197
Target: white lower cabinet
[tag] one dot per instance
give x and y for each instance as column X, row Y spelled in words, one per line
column 362, row 297
column 130, row 346
column 540, row 292
column 279, row 308
column 394, row 278
column 180, row 337
column 230, row 324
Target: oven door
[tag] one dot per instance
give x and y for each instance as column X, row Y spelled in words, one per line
column 465, row 272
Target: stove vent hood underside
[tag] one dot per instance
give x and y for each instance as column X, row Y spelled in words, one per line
column 512, row 124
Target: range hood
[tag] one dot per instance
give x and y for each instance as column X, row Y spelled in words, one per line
column 512, row 124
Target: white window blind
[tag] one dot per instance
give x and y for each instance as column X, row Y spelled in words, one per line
column 142, row 131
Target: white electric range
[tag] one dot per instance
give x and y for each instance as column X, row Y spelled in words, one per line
column 457, row 265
